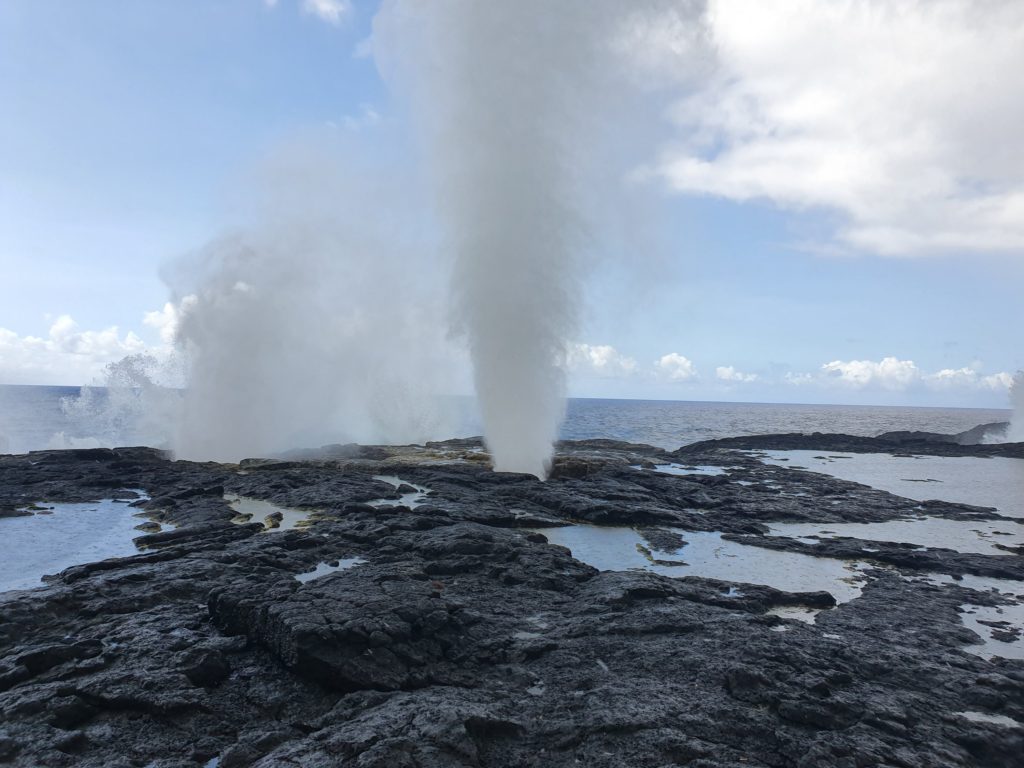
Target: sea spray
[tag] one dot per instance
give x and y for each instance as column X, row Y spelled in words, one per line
column 1015, row 434
column 136, row 402
column 304, row 327
column 508, row 96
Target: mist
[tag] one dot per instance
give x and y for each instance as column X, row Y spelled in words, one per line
column 306, row 326
column 514, row 102
column 336, row 312
column 1015, row 434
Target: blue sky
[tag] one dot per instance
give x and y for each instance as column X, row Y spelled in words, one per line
column 768, row 268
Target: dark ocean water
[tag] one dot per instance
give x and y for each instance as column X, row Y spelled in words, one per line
column 33, row 418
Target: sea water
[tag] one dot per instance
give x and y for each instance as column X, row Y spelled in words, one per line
column 33, row 418
column 57, row 536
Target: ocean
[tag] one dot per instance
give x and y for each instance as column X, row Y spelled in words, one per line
column 34, row 418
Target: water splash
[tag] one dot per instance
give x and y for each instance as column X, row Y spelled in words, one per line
column 134, row 404
column 509, row 99
column 1015, row 434
column 304, row 327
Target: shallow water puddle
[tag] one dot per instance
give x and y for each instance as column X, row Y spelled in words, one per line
column 322, row 569
column 412, row 499
column 988, row 622
column 1006, row 587
column 707, row 554
column 796, row 612
column 63, row 535
column 984, row 717
column 980, row 537
column 257, row 511
column 993, row 482
column 686, row 469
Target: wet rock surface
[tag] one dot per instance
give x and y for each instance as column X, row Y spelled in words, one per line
column 921, row 443
column 461, row 637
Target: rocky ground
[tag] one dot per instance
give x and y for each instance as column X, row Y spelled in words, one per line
column 461, row 637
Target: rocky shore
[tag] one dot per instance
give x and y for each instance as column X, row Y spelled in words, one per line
column 417, row 616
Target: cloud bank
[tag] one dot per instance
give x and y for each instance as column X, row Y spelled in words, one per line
column 895, row 375
column 888, row 375
column 67, row 355
column 899, row 115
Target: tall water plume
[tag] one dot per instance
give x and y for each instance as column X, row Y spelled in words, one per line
column 508, row 95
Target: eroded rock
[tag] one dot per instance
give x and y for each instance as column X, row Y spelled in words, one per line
column 463, row 638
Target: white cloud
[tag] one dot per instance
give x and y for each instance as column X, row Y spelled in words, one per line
column 167, row 319
column 331, row 11
column 66, row 337
column 599, row 360
column 902, row 116
column 893, row 374
column 675, row 367
column 888, row 373
column 270, row 3
column 949, row 378
column 799, row 379
column 68, row 355
column 728, row 373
